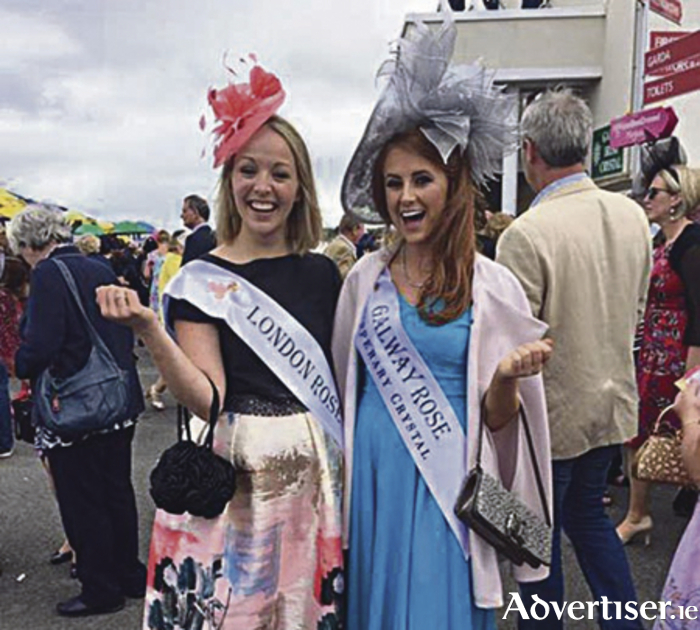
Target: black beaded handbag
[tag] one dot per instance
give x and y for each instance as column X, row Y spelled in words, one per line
column 498, row 515
column 190, row 477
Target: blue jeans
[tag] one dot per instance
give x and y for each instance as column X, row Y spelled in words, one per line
column 579, row 484
column 6, row 437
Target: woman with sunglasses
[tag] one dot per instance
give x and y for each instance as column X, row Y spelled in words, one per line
column 671, row 329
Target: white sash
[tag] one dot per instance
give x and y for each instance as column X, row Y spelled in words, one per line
column 421, row 412
column 283, row 344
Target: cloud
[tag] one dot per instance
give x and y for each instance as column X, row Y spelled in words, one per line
column 28, row 40
column 99, row 99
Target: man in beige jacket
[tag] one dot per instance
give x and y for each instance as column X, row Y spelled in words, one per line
column 343, row 248
column 583, row 256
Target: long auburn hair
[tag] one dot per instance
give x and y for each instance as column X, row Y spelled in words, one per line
column 453, row 241
column 304, row 224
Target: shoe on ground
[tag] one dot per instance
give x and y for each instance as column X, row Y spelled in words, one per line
column 6, row 454
column 628, row 530
column 76, row 607
column 60, row 557
column 155, row 397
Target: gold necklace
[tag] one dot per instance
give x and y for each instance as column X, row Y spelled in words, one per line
column 405, row 271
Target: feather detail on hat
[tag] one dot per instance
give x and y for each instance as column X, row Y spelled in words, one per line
column 453, row 106
column 240, row 109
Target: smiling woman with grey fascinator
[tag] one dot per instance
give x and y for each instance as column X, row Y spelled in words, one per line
column 430, row 340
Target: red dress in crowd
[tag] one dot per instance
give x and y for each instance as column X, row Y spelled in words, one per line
column 662, row 354
column 10, row 313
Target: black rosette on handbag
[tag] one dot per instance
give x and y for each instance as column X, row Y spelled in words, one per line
column 190, row 477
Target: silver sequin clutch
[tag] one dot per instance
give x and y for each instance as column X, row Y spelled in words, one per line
column 500, row 518
column 503, row 521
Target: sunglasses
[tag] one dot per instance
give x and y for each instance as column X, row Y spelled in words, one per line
column 653, row 191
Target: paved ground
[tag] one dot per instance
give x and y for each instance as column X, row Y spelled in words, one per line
column 30, row 530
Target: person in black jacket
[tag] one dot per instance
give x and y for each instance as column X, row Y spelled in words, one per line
column 195, row 214
column 92, row 474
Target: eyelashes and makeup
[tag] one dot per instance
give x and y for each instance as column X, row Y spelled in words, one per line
column 420, row 179
column 250, row 169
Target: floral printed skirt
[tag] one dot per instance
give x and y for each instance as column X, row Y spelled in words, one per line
column 273, row 559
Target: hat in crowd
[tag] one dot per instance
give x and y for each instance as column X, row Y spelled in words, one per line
column 457, row 107
column 657, row 156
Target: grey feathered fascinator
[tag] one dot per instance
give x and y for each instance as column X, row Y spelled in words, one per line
column 454, row 106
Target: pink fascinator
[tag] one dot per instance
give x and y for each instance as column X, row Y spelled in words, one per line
column 240, row 109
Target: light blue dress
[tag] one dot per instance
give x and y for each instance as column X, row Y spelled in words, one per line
column 406, row 570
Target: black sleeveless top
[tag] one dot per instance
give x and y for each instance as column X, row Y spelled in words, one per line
column 305, row 286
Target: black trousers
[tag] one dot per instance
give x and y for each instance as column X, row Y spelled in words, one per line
column 98, row 510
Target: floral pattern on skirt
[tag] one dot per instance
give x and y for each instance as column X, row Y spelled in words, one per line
column 682, row 586
column 273, row 559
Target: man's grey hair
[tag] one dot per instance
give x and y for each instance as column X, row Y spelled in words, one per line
column 37, row 226
column 560, row 124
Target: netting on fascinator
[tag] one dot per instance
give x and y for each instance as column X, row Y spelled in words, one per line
column 454, row 106
column 241, row 108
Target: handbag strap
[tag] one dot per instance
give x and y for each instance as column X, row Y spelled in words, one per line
column 657, row 424
column 531, row 449
column 183, row 418
column 70, row 281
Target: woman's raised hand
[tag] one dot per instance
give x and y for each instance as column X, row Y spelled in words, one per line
column 122, row 305
column 526, row 360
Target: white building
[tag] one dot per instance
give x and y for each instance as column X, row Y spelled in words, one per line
column 594, row 46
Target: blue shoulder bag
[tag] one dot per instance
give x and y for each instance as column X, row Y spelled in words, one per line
column 93, row 399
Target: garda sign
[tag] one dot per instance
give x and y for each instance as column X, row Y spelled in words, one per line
column 605, row 160
column 642, row 127
column 676, row 56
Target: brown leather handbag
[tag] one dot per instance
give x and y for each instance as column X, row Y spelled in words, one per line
column 659, row 459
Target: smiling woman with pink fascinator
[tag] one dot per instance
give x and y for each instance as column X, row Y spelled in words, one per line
column 253, row 321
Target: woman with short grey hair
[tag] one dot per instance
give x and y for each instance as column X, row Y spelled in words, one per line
column 91, row 471
column 38, row 228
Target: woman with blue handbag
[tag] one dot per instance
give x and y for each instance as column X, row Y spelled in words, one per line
column 77, row 361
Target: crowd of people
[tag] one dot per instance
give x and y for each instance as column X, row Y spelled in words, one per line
column 355, row 392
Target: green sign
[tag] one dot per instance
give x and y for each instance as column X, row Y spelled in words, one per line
column 605, row 161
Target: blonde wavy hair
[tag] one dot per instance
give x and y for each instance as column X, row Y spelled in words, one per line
column 686, row 184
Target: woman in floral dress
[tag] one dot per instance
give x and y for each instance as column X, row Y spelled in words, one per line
column 671, row 329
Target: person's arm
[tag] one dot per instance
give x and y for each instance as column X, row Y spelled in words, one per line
column 690, row 275
column 345, row 262
column 44, row 330
column 184, row 365
column 687, row 406
column 693, row 358
column 502, row 402
column 516, row 251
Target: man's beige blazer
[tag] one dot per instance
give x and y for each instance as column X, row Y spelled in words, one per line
column 583, row 256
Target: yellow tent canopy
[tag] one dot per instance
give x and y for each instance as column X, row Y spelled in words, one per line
column 9, row 204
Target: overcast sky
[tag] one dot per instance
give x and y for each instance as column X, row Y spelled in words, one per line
column 100, row 99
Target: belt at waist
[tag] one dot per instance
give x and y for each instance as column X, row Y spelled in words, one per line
column 252, row 405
